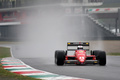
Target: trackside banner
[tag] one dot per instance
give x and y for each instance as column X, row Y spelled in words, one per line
column 101, row 10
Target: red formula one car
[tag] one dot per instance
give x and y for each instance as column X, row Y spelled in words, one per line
column 81, row 55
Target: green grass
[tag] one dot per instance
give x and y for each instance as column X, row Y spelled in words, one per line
column 114, row 54
column 4, row 52
column 6, row 75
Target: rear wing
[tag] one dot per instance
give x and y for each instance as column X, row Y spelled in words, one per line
column 78, row 44
column 75, row 44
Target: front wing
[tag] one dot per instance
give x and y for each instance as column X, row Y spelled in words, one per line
column 77, row 62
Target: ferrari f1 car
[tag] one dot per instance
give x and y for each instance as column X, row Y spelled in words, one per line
column 81, row 55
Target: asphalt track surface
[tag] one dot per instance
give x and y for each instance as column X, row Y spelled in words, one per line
column 95, row 72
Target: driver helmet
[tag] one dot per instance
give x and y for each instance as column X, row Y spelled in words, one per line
column 80, row 47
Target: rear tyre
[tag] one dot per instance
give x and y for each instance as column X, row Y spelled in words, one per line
column 102, row 58
column 91, row 52
column 56, row 56
column 59, row 57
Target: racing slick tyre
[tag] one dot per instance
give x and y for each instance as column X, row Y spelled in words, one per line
column 96, row 53
column 102, row 58
column 59, row 57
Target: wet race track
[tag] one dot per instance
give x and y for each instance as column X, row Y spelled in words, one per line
column 95, row 72
column 109, row 72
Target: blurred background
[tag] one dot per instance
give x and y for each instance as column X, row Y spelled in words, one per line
column 52, row 23
column 19, row 11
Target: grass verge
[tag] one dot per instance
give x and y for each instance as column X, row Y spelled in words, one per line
column 6, row 75
column 114, row 54
column 4, row 52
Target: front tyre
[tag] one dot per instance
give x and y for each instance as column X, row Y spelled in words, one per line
column 102, row 58
column 59, row 57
